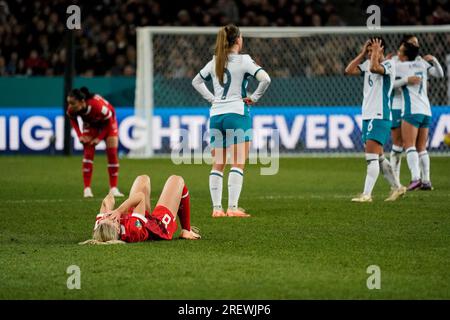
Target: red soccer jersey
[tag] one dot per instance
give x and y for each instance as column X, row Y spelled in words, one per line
column 99, row 113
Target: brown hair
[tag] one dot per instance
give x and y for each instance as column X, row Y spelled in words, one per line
column 226, row 38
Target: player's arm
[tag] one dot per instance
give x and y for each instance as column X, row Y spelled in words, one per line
column 264, row 82
column 412, row 80
column 353, row 68
column 107, row 204
column 435, row 68
column 108, row 120
column 74, row 123
column 199, row 82
column 375, row 65
column 136, row 200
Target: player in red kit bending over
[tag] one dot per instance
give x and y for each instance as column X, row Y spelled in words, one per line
column 99, row 123
column 132, row 221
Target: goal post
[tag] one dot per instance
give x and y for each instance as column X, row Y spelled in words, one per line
column 306, row 66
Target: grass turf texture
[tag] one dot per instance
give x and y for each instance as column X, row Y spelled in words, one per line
column 306, row 240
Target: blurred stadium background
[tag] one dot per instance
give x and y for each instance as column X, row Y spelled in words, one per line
column 307, row 70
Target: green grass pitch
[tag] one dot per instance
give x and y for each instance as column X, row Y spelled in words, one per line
column 306, row 240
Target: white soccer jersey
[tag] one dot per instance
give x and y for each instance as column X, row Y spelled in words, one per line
column 415, row 97
column 228, row 98
column 397, row 93
column 377, row 91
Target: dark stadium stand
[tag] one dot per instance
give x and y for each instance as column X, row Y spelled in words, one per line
column 31, row 32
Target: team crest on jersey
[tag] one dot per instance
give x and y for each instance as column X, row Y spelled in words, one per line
column 138, row 224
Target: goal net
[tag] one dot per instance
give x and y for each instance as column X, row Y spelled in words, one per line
column 314, row 107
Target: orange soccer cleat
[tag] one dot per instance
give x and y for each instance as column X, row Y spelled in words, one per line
column 218, row 213
column 239, row 212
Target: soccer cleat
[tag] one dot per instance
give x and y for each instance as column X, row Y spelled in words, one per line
column 88, row 193
column 218, row 213
column 396, row 193
column 239, row 212
column 192, row 234
column 426, row 186
column 414, row 185
column 362, row 198
column 115, row 192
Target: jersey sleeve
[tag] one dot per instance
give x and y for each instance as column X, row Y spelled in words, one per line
column 388, row 66
column 364, row 67
column 250, row 66
column 101, row 109
column 205, row 73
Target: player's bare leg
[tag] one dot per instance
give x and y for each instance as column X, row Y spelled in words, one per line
column 239, row 154
column 409, row 134
column 142, row 184
column 219, row 156
column 112, row 144
column 424, row 158
column 173, row 194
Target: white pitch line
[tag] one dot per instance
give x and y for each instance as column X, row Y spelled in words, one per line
column 47, row 200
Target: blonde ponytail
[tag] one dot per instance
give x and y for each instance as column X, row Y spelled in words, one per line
column 226, row 38
column 104, row 233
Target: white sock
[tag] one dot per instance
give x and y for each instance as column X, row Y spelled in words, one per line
column 215, row 188
column 388, row 173
column 235, row 180
column 373, row 170
column 396, row 160
column 413, row 163
column 424, row 160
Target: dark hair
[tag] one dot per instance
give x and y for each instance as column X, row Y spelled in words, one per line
column 383, row 43
column 406, row 38
column 226, row 38
column 411, row 51
column 81, row 94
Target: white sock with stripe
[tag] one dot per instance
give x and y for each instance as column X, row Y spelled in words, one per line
column 424, row 160
column 396, row 160
column 215, row 188
column 235, row 181
column 388, row 173
column 373, row 170
column 413, row 163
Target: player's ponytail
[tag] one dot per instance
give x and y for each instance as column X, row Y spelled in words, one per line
column 81, row 94
column 86, row 92
column 226, row 38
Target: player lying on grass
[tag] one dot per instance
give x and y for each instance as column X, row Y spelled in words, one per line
column 99, row 123
column 379, row 76
column 132, row 221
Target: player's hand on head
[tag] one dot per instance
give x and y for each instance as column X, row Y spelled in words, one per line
column 366, row 46
column 428, row 57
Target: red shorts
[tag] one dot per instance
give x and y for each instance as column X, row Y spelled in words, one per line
column 111, row 130
column 162, row 224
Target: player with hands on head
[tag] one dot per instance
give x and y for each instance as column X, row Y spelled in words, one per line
column 379, row 76
column 132, row 220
